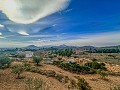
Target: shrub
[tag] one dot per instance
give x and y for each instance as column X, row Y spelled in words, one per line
column 50, row 73
column 18, row 69
column 35, row 84
column 59, row 77
column 115, row 88
column 1, row 73
column 37, row 60
column 103, row 74
column 34, row 69
column 94, row 59
column 83, row 85
column 5, row 62
column 73, row 84
column 59, row 58
column 114, row 73
column 65, row 79
column 57, row 62
column 27, row 67
column 96, row 65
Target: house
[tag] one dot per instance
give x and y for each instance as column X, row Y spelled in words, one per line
column 27, row 54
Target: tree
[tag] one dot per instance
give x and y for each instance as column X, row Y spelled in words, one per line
column 18, row 69
column 22, row 56
column 5, row 62
column 37, row 60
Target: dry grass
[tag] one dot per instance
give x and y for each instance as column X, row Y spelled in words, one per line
column 8, row 80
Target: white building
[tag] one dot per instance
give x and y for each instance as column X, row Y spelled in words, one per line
column 28, row 54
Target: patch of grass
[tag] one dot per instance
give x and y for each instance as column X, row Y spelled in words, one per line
column 18, row 69
column 83, row 85
column 94, row 79
column 35, row 84
column 115, row 88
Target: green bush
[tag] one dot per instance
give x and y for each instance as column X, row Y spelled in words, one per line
column 103, row 74
column 37, row 60
column 88, row 68
column 57, row 62
column 18, row 69
column 83, row 85
column 27, row 67
column 96, row 65
column 34, row 69
column 49, row 73
column 65, row 79
column 115, row 88
column 73, row 84
column 59, row 77
column 35, row 84
column 5, row 62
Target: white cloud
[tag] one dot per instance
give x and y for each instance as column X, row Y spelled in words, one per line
column 29, row 11
column 23, row 33
column 1, row 26
column 0, row 33
column 2, row 37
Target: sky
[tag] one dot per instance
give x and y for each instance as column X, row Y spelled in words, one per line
column 57, row 22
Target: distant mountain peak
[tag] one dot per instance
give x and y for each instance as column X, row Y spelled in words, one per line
column 63, row 45
column 31, row 47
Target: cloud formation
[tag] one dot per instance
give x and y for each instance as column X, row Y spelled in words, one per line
column 30, row 11
column 23, row 33
column 1, row 26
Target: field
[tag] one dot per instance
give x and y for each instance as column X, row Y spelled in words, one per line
column 8, row 79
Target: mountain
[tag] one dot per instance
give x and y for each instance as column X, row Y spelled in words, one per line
column 111, row 47
column 65, row 47
column 88, row 47
column 31, row 47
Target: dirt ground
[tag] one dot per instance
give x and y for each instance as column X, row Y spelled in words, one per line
column 8, row 81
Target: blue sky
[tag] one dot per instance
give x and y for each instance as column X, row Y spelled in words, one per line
column 82, row 22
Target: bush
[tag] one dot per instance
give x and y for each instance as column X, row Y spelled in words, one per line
column 27, row 67
column 5, row 62
column 115, row 88
column 35, row 84
column 57, row 62
column 50, row 73
column 83, row 85
column 37, row 60
column 73, row 84
column 59, row 77
column 65, row 79
column 34, row 69
column 96, row 65
column 18, row 69
column 103, row 74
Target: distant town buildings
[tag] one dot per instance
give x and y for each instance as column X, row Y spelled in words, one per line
column 27, row 54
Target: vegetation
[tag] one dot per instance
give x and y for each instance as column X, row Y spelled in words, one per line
column 83, row 85
column 115, row 88
column 5, row 62
column 66, row 52
column 21, row 56
column 90, row 68
column 37, row 60
column 103, row 74
column 18, row 69
column 95, row 65
column 104, row 50
column 35, row 84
